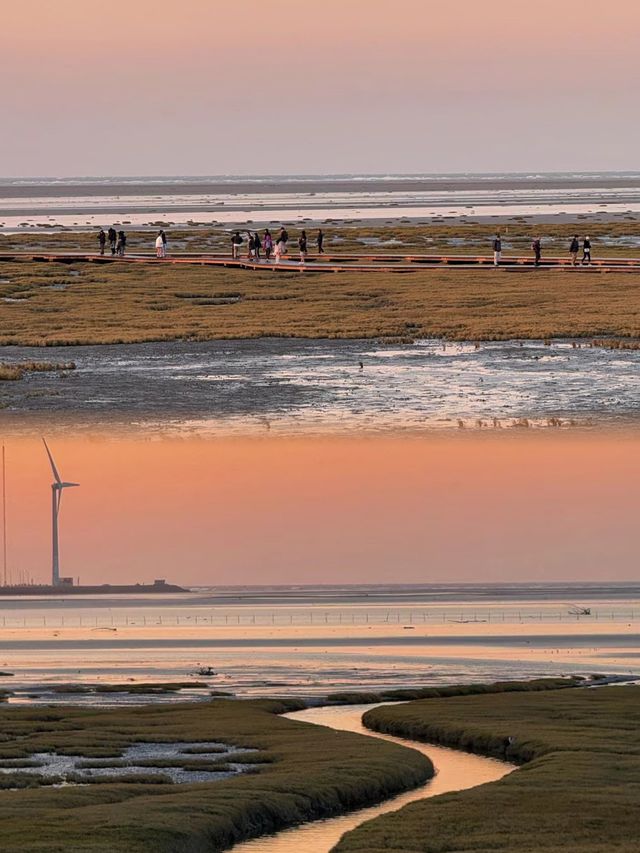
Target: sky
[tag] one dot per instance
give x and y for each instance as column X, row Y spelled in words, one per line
column 205, row 87
column 363, row 510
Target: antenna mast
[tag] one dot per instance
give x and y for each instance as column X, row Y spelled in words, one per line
column 4, row 518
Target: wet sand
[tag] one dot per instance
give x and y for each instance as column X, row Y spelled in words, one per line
column 272, row 386
column 312, row 184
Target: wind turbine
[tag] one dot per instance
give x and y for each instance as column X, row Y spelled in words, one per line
column 57, row 488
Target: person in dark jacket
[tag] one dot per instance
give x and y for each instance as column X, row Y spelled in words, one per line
column 257, row 245
column 536, row 247
column 122, row 244
column 236, row 242
column 320, row 242
column 574, row 248
column 113, row 238
column 586, row 251
column 497, row 250
column 302, row 246
column 102, row 240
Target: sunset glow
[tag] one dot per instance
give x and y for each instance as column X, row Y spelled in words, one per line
column 330, row 511
column 338, row 87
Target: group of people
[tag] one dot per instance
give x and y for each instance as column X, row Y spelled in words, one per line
column 536, row 248
column 117, row 241
column 276, row 248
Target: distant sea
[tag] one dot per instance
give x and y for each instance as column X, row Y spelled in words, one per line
column 311, row 641
column 86, row 202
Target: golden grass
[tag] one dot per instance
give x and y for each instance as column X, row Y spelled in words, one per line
column 13, row 372
column 453, row 237
column 122, row 303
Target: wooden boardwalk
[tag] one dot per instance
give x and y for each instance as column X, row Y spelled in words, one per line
column 334, row 263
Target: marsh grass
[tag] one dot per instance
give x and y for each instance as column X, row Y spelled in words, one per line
column 577, row 791
column 143, row 689
column 118, row 304
column 613, row 239
column 412, row 693
column 14, row 372
column 307, row 772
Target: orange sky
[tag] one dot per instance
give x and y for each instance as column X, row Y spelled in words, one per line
column 391, row 85
column 309, row 511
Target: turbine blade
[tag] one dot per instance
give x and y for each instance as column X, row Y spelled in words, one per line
column 53, row 464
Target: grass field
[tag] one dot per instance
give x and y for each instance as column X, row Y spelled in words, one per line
column 301, row 772
column 578, row 790
column 57, row 304
column 619, row 238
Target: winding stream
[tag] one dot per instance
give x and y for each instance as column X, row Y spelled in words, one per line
column 455, row 771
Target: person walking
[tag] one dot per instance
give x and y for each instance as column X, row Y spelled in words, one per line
column 257, row 245
column 574, row 248
column 159, row 245
column 278, row 250
column 283, row 238
column 113, row 237
column 267, row 244
column 586, row 251
column 164, row 242
column 236, row 242
column 102, row 240
column 121, row 245
column 536, row 246
column 302, row 246
column 320, row 242
column 251, row 246
column 497, row 250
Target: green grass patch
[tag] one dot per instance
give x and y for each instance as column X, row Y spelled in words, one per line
column 408, row 694
column 577, row 791
column 305, row 772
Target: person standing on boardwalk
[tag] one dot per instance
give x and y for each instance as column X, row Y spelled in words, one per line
column 283, row 239
column 257, row 245
column 122, row 244
column 236, row 242
column 320, row 242
column 586, row 251
column 159, row 245
column 302, row 245
column 536, row 246
column 497, row 250
column 267, row 243
column 113, row 237
column 574, row 248
column 102, row 240
column 164, row 242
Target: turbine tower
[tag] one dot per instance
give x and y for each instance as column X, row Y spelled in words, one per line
column 57, row 488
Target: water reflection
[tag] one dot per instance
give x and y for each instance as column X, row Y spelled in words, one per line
column 455, row 771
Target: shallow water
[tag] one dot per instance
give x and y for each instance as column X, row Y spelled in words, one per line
column 455, row 771
column 269, row 200
column 287, row 387
column 62, row 766
column 302, row 642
